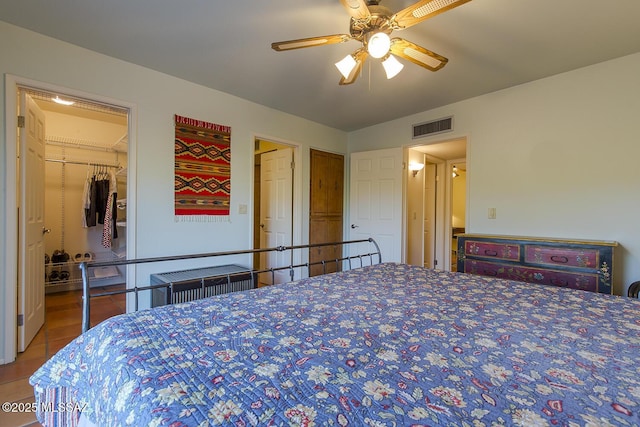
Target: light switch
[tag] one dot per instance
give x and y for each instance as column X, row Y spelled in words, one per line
column 242, row 209
column 492, row 213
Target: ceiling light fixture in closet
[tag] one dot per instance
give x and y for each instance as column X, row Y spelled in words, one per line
column 60, row 101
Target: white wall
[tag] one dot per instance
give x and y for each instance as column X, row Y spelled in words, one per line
column 157, row 97
column 556, row 157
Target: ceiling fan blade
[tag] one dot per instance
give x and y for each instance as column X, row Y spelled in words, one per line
column 417, row 54
column 424, row 9
column 357, row 8
column 359, row 55
column 310, row 42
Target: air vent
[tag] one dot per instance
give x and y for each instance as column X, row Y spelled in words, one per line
column 431, row 128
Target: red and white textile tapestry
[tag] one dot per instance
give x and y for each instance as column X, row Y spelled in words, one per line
column 202, row 170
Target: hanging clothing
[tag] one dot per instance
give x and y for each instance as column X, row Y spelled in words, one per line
column 98, row 195
column 86, row 201
column 90, row 208
column 102, row 194
column 109, row 231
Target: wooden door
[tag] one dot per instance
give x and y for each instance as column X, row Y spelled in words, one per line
column 31, row 218
column 326, row 209
column 319, row 183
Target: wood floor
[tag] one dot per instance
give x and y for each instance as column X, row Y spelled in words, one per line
column 63, row 318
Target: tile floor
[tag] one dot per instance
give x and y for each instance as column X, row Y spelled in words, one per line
column 63, row 318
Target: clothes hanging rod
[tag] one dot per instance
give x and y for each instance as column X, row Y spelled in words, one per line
column 105, row 165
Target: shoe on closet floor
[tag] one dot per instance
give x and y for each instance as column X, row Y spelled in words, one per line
column 56, row 257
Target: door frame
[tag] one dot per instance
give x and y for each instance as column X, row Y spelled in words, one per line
column 10, row 243
column 448, row 238
column 440, row 212
column 297, row 223
column 444, row 202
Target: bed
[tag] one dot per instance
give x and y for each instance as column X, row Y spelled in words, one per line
column 383, row 345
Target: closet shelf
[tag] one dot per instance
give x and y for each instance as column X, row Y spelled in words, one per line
column 64, row 141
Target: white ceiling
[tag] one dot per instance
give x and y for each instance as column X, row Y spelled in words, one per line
column 225, row 45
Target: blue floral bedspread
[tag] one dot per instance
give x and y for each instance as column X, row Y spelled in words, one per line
column 385, row 345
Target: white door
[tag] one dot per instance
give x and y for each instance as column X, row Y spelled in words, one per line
column 31, row 219
column 429, row 214
column 376, row 200
column 276, row 212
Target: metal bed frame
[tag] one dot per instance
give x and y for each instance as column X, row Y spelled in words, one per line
column 346, row 262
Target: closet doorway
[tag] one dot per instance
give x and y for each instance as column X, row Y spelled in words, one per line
column 275, row 215
column 84, row 195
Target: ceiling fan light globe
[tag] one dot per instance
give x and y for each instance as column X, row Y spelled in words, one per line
column 346, row 65
column 378, row 45
column 392, row 66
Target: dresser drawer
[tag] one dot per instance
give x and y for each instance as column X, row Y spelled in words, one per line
column 559, row 256
column 504, row 251
column 571, row 263
column 543, row 276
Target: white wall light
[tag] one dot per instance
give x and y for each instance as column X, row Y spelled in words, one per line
column 415, row 168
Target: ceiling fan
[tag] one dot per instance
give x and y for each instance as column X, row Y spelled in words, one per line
column 371, row 24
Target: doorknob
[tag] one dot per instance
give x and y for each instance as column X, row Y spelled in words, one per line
column 354, row 226
column 261, row 225
column 46, row 230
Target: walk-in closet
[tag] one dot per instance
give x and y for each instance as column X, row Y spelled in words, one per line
column 85, row 189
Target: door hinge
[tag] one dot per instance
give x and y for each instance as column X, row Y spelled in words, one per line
column 435, row 262
column 20, row 319
column 21, row 121
column 293, row 164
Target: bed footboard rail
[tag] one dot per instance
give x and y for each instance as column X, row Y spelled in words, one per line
column 372, row 254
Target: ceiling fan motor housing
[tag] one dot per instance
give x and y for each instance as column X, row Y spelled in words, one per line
column 377, row 21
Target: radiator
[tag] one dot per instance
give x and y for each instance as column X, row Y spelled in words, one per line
column 189, row 285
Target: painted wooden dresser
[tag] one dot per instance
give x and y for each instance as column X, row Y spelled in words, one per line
column 578, row 264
